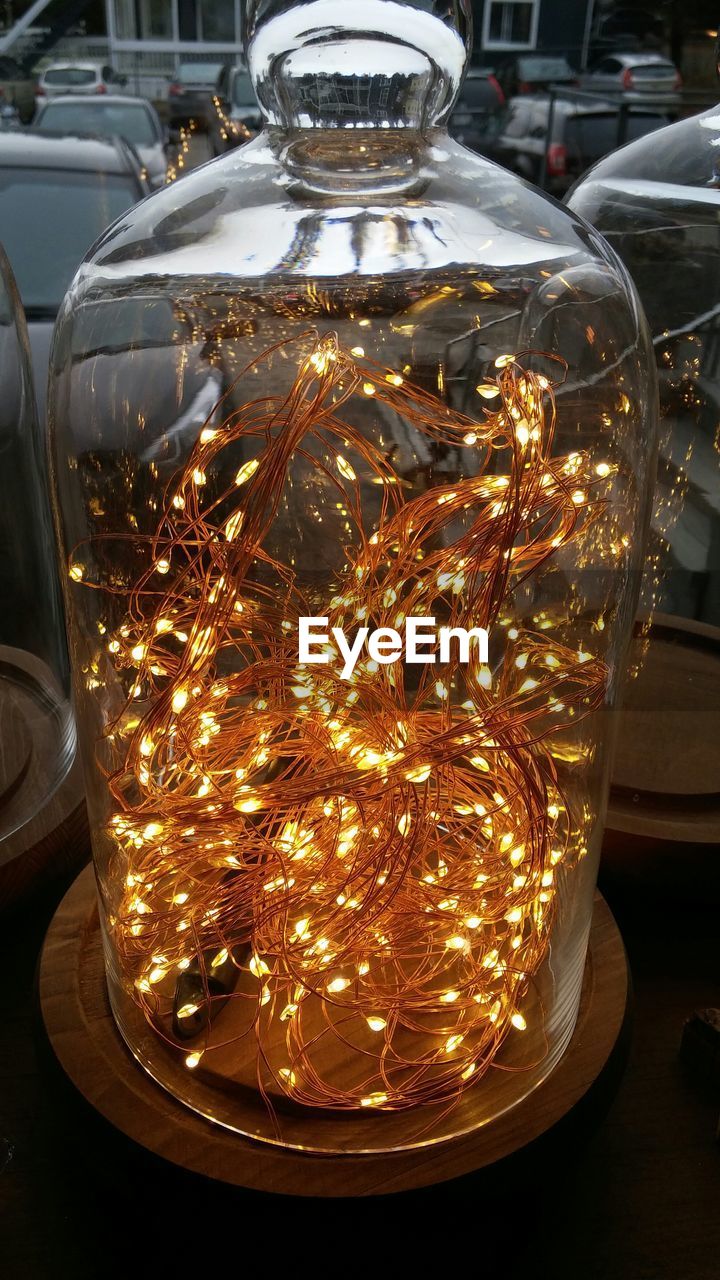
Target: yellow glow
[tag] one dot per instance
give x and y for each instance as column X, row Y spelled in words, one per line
column 246, row 471
column 179, row 700
column 250, row 804
column 456, row 942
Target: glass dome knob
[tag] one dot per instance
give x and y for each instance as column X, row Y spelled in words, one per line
column 357, row 64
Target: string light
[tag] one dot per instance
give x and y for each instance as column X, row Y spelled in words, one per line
column 373, row 861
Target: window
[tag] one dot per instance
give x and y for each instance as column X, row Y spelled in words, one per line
column 212, row 21
column 70, row 76
column 198, row 75
column 510, row 24
column 156, row 19
column 591, row 135
column 217, row 21
column 144, row 19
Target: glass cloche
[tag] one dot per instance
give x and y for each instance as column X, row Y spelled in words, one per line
column 37, row 733
column 657, row 201
column 352, row 438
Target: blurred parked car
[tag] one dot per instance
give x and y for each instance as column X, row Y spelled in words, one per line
column 535, row 73
column 637, row 77
column 57, row 195
column 78, row 78
column 236, row 110
column 134, row 119
column 481, row 96
column 579, row 135
column 191, row 92
column 16, row 88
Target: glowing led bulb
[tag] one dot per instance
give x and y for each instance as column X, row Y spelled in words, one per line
column 246, row 471
column 179, row 700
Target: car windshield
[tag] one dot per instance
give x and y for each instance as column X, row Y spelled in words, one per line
column 589, row 137
column 198, row 73
column 243, row 94
column 477, row 92
column 70, row 75
column 132, row 122
column 81, row 206
column 654, row 71
column 545, row 69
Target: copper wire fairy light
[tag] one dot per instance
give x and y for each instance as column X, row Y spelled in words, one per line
column 371, row 864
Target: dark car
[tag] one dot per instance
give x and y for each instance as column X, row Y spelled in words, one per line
column 237, row 116
column 535, row 73
column 554, row 152
column 480, row 97
column 57, row 195
column 190, row 94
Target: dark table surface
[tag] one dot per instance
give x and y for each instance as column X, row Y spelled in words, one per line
column 630, row 1193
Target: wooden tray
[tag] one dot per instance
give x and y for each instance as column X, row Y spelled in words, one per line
column 86, row 1042
column 56, row 838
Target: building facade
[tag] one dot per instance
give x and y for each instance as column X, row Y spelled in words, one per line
column 175, row 26
column 166, row 31
column 147, row 38
column 507, row 28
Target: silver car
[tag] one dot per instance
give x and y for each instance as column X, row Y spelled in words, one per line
column 78, row 77
column 636, row 77
column 134, row 119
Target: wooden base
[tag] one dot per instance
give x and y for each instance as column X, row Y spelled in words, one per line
column 87, row 1044
column 666, row 773
column 34, row 738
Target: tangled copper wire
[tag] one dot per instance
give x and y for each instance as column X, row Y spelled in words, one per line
column 359, row 876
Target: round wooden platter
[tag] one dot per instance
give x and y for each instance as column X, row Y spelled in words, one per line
column 55, row 838
column 662, row 830
column 88, row 1046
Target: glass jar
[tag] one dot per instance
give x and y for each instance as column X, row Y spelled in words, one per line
column 347, row 376
column 36, row 725
column 657, row 202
